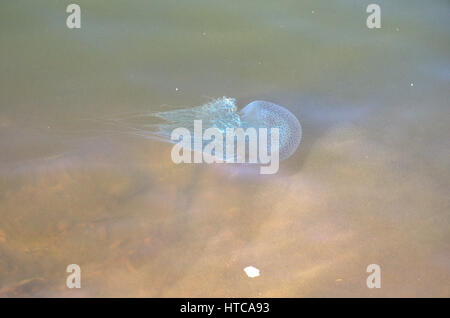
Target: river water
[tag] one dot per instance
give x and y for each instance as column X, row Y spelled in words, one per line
column 369, row 183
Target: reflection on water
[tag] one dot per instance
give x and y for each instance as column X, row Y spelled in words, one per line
column 369, row 183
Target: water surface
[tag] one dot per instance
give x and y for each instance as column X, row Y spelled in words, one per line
column 369, row 183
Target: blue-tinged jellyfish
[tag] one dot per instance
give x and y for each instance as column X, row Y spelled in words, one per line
column 221, row 113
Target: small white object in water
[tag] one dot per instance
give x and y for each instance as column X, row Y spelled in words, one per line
column 251, row 271
column 412, row 84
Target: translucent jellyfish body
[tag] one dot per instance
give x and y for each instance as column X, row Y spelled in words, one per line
column 269, row 115
column 222, row 113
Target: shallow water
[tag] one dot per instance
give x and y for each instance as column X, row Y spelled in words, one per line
column 369, row 183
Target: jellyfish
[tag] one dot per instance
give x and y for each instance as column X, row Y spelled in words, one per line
column 221, row 113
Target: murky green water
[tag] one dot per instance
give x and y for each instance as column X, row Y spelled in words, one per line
column 369, row 183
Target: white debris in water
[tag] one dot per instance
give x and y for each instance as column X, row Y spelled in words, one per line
column 412, row 84
column 251, row 271
column 177, row 89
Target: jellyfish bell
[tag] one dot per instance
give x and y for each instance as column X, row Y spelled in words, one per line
column 263, row 114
